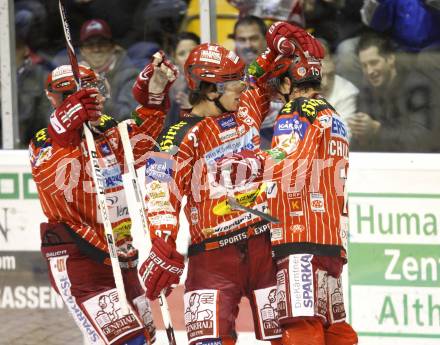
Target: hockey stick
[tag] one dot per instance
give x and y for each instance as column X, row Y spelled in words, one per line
column 129, row 158
column 235, row 205
column 97, row 176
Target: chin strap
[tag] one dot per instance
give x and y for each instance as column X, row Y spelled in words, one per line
column 220, row 105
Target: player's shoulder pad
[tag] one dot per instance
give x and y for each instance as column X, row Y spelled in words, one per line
column 310, row 107
column 172, row 136
column 105, row 123
column 40, row 139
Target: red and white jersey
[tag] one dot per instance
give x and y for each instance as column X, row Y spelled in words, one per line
column 308, row 196
column 65, row 184
column 183, row 166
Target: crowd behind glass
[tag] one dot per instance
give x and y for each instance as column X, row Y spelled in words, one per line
column 380, row 70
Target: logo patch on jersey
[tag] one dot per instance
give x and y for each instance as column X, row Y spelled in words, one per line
column 286, row 126
column 117, row 206
column 228, row 135
column 112, row 176
column 157, row 191
column 343, row 230
column 105, row 149
column 296, row 209
column 338, row 128
column 164, row 219
column 272, row 189
column 276, row 234
column 194, row 215
column 159, row 169
column 158, row 197
column 227, row 123
column 266, row 303
column 317, row 202
column 282, row 292
column 159, row 205
column 44, row 153
column 325, row 121
column 244, row 142
column 301, row 284
column 200, row 314
column 243, row 114
column 122, row 230
column 210, row 342
column 110, row 160
column 105, row 312
column 297, row 228
column 237, row 222
column 245, row 199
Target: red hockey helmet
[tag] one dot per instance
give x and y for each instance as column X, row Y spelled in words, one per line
column 302, row 69
column 60, row 82
column 213, row 64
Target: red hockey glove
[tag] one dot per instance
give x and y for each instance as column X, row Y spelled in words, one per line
column 153, row 83
column 283, row 38
column 239, row 169
column 161, row 269
column 66, row 121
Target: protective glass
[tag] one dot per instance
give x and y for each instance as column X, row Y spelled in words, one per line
column 240, row 85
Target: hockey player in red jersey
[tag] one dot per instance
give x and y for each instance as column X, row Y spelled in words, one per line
column 229, row 254
column 73, row 241
column 307, row 167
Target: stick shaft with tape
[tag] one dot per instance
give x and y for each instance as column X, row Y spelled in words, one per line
column 140, row 208
column 97, row 176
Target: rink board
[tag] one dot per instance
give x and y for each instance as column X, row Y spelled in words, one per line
column 392, row 284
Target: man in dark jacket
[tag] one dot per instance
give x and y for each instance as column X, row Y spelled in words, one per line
column 109, row 60
column 396, row 111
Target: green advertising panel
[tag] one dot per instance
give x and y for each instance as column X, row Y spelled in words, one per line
column 394, row 265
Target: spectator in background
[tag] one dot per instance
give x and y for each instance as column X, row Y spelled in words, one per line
column 31, row 22
column 158, row 20
column 339, row 23
column 340, row 92
column 411, row 23
column 249, row 38
column 396, row 111
column 250, row 41
column 33, row 105
column 291, row 11
column 118, row 14
column 428, row 64
column 321, row 17
column 109, row 60
column 142, row 51
column 179, row 92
